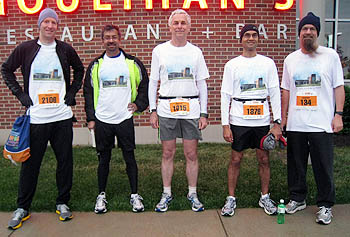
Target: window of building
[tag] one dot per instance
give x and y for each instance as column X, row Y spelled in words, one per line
column 337, row 30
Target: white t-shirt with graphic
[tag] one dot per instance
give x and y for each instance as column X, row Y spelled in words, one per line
column 250, row 78
column 311, row 80
column 178, row 69
column 115, row 91
column 47, row 87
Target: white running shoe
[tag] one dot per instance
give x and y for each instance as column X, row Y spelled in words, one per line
column 136, row 202
column 324, row 215
column 101, row 203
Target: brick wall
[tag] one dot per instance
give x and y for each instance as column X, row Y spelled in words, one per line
column 221, row 46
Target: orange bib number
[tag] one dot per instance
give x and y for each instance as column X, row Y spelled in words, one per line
column 49, row 98
column 180, row 107
column 253, row 110
column 306, row 100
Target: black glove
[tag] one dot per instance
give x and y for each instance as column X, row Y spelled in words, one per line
column 69, row 99
column 25, row 100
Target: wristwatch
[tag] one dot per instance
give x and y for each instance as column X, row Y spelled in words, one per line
column 152, row 110
column 278, row 121
column 339, row 113
column 204, row 115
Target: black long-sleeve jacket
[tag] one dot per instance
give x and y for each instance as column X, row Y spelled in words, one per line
column 23, row 56
column 141, row 99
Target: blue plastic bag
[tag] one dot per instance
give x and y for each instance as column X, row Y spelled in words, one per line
column 17, row 147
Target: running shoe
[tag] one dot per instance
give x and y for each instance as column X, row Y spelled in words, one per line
column 164, row 202
column 101, row 203
column 294, row 206
column 18, row 216
column 64, row 212
column 196, row 204
column 229, row 208
column 324, row 215
column 136, row 202
column 268, row 204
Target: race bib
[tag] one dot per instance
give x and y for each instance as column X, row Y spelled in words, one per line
column 49, row 99
column 253, row 109
column 180, row 106
column 306, row 100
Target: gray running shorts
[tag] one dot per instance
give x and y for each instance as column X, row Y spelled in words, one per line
column 171, row 129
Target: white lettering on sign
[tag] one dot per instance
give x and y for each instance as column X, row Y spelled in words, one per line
column 87, row 33
column 281, row 29
column 66, row 33
column 130, row 31
column 154, row 33
column 91, row 33
column 27, row 33
column 9, row 37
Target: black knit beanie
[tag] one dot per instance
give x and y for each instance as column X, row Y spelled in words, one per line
column 248, row 28
column 311, row 19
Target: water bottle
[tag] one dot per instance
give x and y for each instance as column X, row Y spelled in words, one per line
column 281, row 210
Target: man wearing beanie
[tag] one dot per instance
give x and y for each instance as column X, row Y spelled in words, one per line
column 247, row 82
column 313, row 96
column 48, row 94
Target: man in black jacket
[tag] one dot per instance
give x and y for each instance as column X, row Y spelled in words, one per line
column 115, row 87
column 48, row 94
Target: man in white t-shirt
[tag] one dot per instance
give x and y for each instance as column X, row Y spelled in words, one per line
column 247, row 82
column 182, row 103
column 115, row 87
column 48, row 94
column 313, row 86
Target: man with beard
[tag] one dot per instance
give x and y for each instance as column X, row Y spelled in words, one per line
column 182, row 106
column 247, row 82
column 115, row 87
column 313, row 86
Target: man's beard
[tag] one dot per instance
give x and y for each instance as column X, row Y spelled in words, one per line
column 309, row 45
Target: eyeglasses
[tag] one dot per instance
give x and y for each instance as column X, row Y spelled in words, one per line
column 107, row 38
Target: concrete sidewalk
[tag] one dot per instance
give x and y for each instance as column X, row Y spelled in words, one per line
column 245, row 222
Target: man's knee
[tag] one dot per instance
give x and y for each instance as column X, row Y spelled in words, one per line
column 236, row 158
column 168, row 153
column 191, row 155
column 263, row 159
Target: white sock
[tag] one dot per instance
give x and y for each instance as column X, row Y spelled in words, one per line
column 264, row 196
column 167, row 190
column 133, row 195
column 191, row 190
column 234, row 198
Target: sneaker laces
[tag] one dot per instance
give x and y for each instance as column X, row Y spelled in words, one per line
column 137, row 201
column 164, row 198
column 101, row 199
column 269, row 202
column 293, row 203
column 229, row 203
column 194, row 198
column 325, row 211
column 18, row 214
column 63, row 208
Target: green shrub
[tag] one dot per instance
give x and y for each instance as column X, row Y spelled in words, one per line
column 346, row 115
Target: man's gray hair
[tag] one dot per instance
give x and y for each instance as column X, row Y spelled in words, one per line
column 179, row 11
